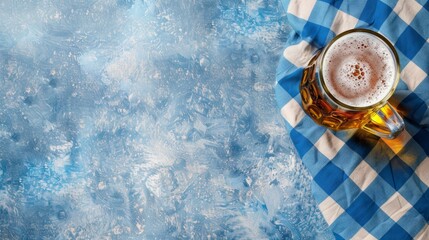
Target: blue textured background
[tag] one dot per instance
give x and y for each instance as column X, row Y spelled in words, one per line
column 151, row 119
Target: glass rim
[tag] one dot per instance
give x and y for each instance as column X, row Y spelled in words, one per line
column 396, row 60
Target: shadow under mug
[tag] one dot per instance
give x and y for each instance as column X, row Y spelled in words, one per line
column 326, row 87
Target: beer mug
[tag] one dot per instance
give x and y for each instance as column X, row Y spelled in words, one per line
column 347, row 84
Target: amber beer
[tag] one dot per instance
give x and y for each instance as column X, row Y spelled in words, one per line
column 348, row 83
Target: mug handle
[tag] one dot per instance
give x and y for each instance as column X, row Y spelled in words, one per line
column 385, row 122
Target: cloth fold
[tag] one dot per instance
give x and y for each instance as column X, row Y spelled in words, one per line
column 366, row 187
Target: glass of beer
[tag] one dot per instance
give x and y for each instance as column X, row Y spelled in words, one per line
column 347, row 84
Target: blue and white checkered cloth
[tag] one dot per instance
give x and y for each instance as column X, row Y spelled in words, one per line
column 366, row 187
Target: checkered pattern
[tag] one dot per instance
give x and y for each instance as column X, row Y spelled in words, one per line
column 366, row 187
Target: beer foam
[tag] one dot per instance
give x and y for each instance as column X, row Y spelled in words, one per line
column 359, row 69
